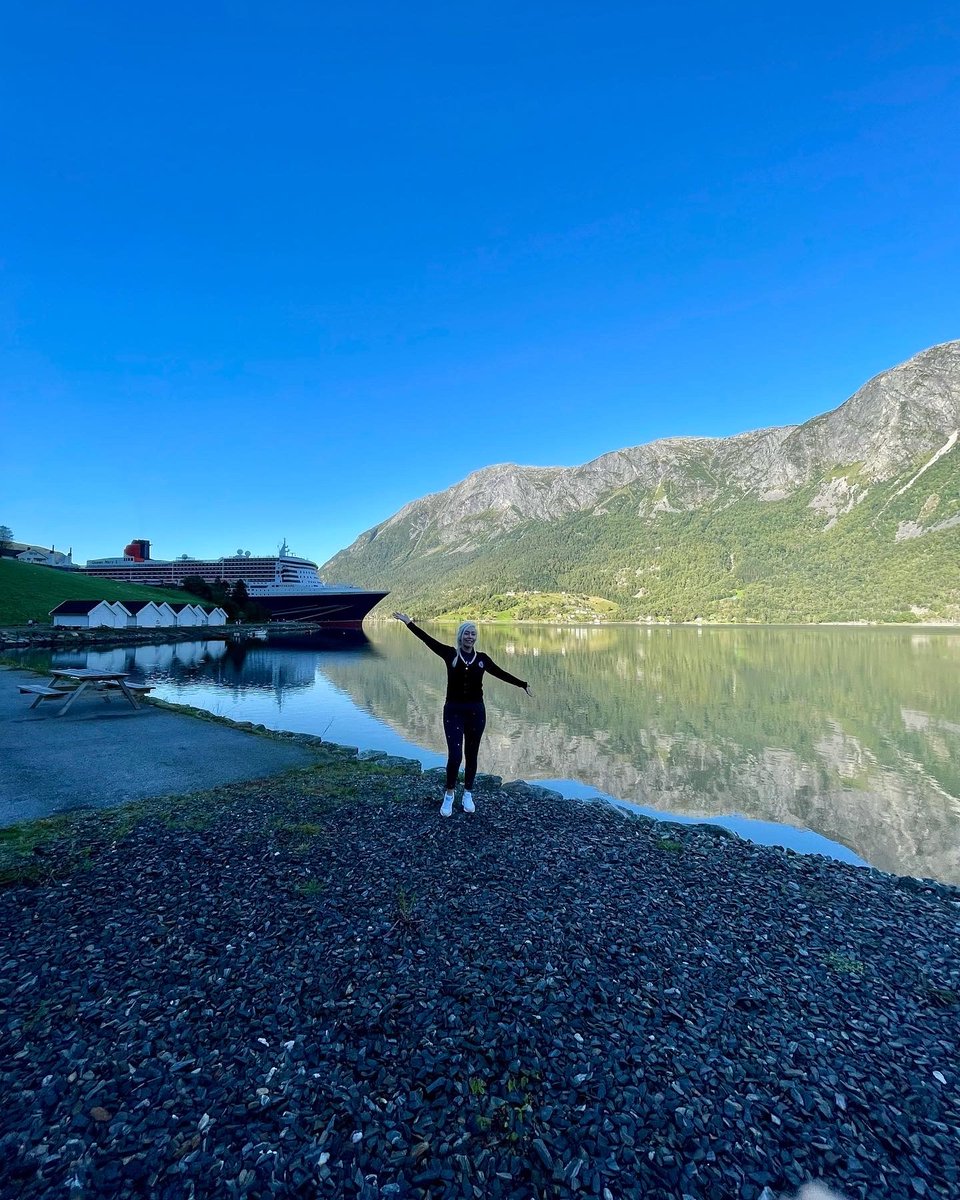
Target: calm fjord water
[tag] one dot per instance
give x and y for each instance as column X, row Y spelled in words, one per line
column 839, row 741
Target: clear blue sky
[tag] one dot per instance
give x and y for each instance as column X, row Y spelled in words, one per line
column 276, row 269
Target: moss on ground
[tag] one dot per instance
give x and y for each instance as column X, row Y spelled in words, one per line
column 50, row 848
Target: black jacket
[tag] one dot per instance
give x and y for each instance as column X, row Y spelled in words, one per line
column 465, row 682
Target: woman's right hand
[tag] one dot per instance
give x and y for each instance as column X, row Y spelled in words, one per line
column 403, row 617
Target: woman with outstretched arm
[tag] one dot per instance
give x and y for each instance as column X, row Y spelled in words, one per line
column 464, row 715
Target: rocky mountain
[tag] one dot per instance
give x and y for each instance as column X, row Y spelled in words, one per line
column 853, row 515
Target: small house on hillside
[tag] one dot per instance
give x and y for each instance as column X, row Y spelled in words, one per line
column 90, row 614
column 45, row 558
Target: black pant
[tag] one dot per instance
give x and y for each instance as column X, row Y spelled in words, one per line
column 463, row 726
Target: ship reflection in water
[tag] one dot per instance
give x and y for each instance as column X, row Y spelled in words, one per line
column 839, row 741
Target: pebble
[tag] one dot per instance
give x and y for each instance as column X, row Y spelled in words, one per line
column 306, row 995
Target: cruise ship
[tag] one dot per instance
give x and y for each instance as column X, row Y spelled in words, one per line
column 288, row 587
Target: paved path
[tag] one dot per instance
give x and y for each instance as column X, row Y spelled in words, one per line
column 101, row 754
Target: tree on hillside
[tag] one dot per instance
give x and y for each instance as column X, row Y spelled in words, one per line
column 6, row 537
column 234, row 604
column 220, row 593
column 197, row 586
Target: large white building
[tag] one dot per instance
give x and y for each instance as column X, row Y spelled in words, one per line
column 39, row 555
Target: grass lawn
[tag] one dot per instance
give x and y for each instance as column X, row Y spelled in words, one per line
column 538, row 606
column 28, row 592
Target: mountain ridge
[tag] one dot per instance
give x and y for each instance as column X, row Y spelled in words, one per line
column 866, row 456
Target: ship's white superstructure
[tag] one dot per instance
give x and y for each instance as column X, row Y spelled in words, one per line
column 288, row 587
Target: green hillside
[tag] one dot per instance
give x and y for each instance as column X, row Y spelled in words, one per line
column 29, row 592
column 738, row 559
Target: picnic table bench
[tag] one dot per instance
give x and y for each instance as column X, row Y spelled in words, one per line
column 43, row 693
column 138, row 689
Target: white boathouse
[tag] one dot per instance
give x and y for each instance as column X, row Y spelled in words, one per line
column 186, row 614
column 90, row 614
column 144, row 614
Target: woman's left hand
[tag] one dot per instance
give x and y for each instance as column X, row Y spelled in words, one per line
column 527, row 690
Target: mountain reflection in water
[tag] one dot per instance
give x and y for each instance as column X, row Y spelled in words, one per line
column 853, row 734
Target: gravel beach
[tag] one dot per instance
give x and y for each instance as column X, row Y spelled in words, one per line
column 316, row 987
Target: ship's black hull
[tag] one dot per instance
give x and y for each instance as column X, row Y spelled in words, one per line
column 344, row 610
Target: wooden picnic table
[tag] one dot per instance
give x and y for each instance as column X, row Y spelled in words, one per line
column 84, row 678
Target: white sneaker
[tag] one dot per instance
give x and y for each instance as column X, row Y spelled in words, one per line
column 468, row 804
column 446, row 808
